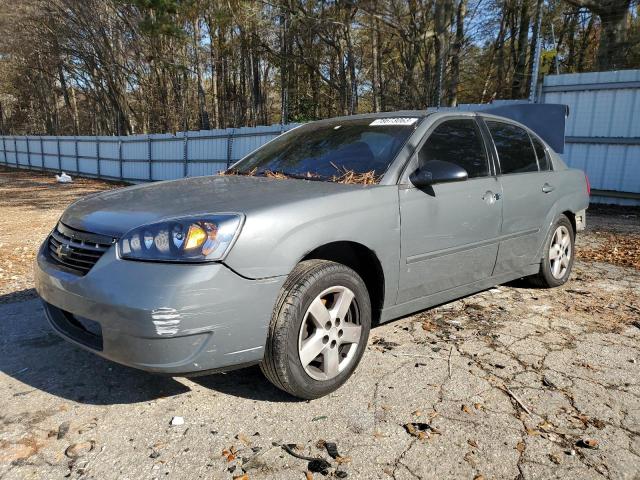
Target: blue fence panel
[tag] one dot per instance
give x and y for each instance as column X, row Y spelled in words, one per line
column 603, row 129
column 50, row 152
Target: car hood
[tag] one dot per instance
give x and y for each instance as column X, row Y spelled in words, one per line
column 115, row 212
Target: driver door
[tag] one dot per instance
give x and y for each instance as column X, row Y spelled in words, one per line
column 449, row 231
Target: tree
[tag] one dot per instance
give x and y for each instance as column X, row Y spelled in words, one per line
column 614, row 17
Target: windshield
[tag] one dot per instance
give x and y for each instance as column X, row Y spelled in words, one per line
column 347, row 151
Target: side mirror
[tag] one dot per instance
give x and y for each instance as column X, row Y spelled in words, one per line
column 437, row 171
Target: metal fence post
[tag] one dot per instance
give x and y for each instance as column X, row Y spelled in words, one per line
column 4, row 151
column 58, row 152
column 185, row 154
column 15, row 151
column 41, row 154
column 149, row 158
column 28, row 152
column 120, row 156
column 230, row 147
column 75, row 142
column 98, row 156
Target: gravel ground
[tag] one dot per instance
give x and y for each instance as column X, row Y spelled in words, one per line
column 510, row 383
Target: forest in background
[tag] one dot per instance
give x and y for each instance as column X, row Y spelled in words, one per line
column 116, row 67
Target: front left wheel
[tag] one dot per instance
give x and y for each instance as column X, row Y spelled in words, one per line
column 319, row 329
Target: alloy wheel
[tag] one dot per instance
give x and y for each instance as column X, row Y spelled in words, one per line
column 330, row 333
column 560, row 252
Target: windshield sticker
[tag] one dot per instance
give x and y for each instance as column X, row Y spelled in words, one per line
column 394, row 121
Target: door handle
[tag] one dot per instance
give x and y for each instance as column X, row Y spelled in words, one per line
column 490, row 197
column 546, row 188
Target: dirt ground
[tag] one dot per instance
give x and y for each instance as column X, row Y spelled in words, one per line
column 510, row 383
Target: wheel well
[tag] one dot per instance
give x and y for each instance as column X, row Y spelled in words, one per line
column 572, row 218
column 365, row 263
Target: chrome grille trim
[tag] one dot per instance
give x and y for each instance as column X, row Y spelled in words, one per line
column 77, row 250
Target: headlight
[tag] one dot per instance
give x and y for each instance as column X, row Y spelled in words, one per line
column 189, row 239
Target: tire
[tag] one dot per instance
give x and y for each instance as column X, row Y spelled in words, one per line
column 553, row 274
column 312, row 286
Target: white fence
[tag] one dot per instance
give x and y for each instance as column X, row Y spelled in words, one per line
column 602, row 132
column 602, row 137
column 138, row 157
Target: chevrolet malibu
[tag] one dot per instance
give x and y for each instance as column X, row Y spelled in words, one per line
column 289, row 257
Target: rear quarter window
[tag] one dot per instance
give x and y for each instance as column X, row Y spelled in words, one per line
column 541, row 153
column 515, row 151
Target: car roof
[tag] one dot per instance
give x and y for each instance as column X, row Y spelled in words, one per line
column 415, row 113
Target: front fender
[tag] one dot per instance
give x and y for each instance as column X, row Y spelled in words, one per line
column 274, row 240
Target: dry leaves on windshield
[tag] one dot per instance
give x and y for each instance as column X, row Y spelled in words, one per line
column 348, row 176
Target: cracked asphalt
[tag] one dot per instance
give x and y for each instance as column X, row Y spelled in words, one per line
column 512, row 383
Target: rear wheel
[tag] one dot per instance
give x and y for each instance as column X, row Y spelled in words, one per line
column 319, row 329
column 557, row 261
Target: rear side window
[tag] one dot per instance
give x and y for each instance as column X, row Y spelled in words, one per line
column 459, row 142
column 515, row 150
column 541, row 153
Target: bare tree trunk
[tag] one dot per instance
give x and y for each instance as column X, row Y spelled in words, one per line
column 532, row 46
column 203, row 115
column 375, row 88
column 519, row 81
column 500, row 69
column 457, row 52
column 284, row 71
column 351, row 63
column 584, row 44
column 614, row 15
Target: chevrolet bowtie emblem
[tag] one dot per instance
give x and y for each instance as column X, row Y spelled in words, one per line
column 63, row 250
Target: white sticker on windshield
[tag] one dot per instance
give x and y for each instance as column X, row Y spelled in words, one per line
column 394, row 121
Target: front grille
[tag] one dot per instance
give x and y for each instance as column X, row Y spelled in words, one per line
column 77, row 250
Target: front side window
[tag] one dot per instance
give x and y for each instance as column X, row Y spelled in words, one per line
column 330, row 151
column 459, row 142
column 515, row 151
column 541, row 153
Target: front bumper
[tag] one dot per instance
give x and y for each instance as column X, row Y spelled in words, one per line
column 166, row 318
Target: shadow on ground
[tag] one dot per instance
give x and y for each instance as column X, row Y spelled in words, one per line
column 33, row 354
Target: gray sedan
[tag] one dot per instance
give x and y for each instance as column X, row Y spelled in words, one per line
column 289, row 257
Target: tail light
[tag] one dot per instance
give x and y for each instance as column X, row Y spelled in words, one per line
column 588, row 184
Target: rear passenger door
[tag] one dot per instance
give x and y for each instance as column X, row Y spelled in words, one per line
column 449, row 231
column 528, row 195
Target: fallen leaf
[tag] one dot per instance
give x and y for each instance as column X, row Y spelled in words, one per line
column 546, row 426
column 521, row 447
column 63, row 429
column 417, row 429
column 78, row 449
column 591, row 443
column 428, row 326
column 319, row 465
column 243, row 438
column 465, row 409
column 332, row 449
column 473, row 443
